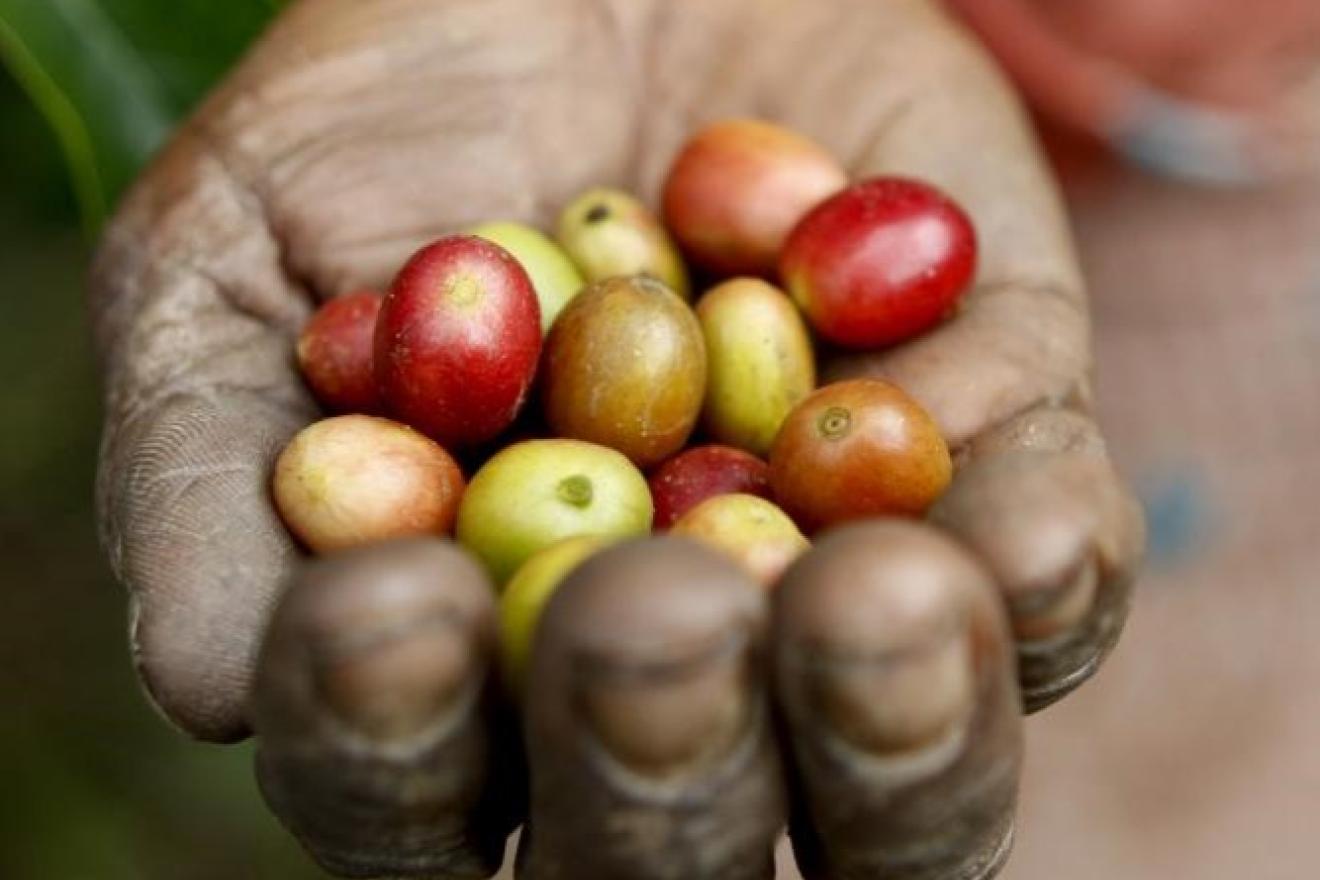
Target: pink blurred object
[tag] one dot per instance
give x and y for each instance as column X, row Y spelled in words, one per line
column 1209, row 90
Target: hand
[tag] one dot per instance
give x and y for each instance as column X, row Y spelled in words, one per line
column 353, row 133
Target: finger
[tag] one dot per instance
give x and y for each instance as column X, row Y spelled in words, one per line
column 1039, row 502
column 893, row 673
column 377, row 745
column 647, row 732
column 193, row 317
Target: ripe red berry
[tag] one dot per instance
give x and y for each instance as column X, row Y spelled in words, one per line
column 335, row 353
column 880, row 262
column 457, row 341
column 694, row 475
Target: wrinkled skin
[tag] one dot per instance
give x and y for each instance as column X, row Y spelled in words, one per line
column 353, row 133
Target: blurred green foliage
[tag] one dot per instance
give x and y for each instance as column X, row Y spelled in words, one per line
column 96, row 786
column 111, row 77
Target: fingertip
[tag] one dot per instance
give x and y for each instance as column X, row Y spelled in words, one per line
column 201, row 553
column 884, row 583
column 208, row 706
column 632, row 597
column 647, row 648
column 376, row 748
column 1063, row 539
column 646, row 710
column 386, row 637
column 880, row 631
column 892, row 669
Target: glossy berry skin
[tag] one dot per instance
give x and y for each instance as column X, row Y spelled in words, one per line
column 457, row 341
column 702, row 472
column 335, row 353
column 356, row 479
column 609, row 233
column 759, row 358
column 856, row 449
column 880, row 262
column 625, row 367
column 535, row 493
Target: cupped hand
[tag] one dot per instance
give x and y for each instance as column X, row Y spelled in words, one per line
column 673, row 721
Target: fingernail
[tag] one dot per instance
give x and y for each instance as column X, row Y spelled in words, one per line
column 897, row 698
column 395, row 684
column 665, row 717
column 1044, row 614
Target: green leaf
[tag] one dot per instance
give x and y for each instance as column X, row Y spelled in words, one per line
column 112, row 77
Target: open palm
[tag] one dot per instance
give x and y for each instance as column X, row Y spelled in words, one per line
column 355, row 132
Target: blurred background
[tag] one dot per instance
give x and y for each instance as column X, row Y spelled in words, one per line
column 1183, row 131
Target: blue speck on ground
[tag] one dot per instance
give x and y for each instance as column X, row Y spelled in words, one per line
column 1177, row 514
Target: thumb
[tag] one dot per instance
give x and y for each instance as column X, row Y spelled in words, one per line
column 193, row 318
